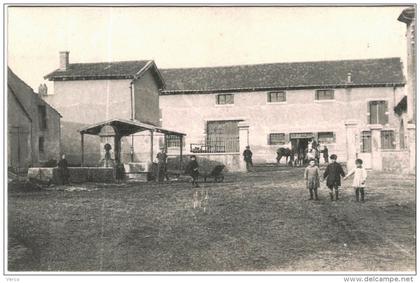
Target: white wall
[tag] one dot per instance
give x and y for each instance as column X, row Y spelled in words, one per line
column 301, row 113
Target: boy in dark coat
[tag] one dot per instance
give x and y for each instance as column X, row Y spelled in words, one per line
column 333, row 173
column 192, row 170
column 248, row 158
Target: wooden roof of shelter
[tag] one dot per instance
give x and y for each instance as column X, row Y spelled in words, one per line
column 126, row 128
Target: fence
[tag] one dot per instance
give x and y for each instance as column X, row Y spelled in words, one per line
column 216, row 145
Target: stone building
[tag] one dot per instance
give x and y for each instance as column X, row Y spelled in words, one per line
column 406, row 103
column 33, row 127
column 91, row 93
column 347, row 105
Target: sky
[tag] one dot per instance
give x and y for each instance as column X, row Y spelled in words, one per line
column 178, row 37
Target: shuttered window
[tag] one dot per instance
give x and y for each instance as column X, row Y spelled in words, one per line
column 222, row 99
column 366, row 141
column 276, row 96
column 378, row 112
column 326, row 137
column 387, row 139
column 276, row 138
column 174, row 141
column 324, row 94
column 42, row 117
column 41, row 147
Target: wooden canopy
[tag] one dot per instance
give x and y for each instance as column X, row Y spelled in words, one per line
column 124, row 128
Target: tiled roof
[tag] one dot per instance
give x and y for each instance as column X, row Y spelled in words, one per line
column 22, row 91
column 369, row 72
column 111, row 70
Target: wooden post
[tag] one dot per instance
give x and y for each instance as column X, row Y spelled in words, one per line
column 132, row 148
column 151, row 146
column 83, row 151
column 165, row 143
column 180, row 151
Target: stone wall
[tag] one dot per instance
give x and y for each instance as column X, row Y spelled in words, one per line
column 396, row 161
column 77, row 174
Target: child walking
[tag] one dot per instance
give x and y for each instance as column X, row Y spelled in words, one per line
column 311, row 176
column 192, row 170
column 333, row 174
column 359, row 180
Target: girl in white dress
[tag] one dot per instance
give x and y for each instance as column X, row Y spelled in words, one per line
column 359, row 180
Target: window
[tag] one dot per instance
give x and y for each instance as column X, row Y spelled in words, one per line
column 324, row 94
column 41, row 144
column 276, row 138
column 378, row 112
column 366, row 141
column 387, row 139
column 276, row 96
column 42, row 117
column 173, row 141
column 326, row 137
column 222, row 99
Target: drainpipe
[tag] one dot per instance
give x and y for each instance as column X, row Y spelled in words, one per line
column 132, row 98
column 132, row 118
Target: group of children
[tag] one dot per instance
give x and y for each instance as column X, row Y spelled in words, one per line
column 333, row 174
column 312, row 175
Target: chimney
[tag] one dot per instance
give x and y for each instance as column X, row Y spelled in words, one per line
column 64, row 60
column 349, row 78
column 43, row 90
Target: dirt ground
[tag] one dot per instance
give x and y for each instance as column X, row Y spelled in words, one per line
column 260, row 221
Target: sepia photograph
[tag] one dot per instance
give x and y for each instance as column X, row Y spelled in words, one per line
column 210, row 139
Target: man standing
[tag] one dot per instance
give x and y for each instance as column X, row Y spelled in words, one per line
column 161, row 170
column 248, row 158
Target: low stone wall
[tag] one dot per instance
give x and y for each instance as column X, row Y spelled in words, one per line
column 138, row 171
column 396, row 161
column 77, row 175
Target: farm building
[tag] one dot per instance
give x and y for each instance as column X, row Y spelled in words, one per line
column 33, row 127
column 117, row 101
column 347, row 105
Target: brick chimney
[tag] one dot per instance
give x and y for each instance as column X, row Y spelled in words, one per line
column 43, row 90
column 349, row 80
column 64, row 60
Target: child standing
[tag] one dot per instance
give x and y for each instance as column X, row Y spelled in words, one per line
column 312, row 179
column 333, row 174
column 359, row 180
column 192, row 170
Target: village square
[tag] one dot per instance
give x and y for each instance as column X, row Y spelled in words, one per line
column 285, row 166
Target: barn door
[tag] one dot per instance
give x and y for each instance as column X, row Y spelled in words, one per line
column 18, row 148
column 223, row 136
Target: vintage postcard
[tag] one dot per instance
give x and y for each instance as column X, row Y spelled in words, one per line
column 211, row 140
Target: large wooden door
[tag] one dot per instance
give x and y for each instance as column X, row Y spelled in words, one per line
column 222, row 136
column 18, row 148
